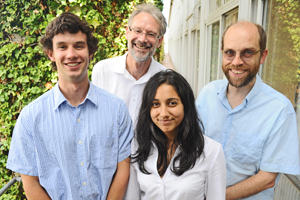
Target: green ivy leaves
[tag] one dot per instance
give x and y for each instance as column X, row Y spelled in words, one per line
column 25, row 72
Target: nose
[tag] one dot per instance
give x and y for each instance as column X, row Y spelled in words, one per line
column 237, row 61
column 71, row 54
column 164, row 111
column 143, row 37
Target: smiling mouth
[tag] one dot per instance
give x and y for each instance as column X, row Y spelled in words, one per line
column 166, row 121
column 240, row 71
column 72, row 64
column 140, row 47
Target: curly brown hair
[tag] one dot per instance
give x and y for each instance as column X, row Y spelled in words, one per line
column 71, row 23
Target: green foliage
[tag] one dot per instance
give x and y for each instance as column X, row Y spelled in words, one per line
column 25, row 72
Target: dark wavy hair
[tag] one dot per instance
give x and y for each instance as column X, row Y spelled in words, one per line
column 190, row 134
column 71, row 23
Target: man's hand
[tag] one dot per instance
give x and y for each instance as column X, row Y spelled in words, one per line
column 33, row 189
column 119, row 184
column 252, row 185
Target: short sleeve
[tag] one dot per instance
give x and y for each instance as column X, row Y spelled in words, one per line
column 22, row 154
column 125, row 132
column 281, row 149
column 133, row 190
column 216, row 178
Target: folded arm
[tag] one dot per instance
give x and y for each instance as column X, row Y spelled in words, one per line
column 252, row 185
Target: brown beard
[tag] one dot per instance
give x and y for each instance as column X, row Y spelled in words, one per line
column 245, row 82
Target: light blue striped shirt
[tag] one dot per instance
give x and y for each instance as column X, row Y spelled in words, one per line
column 73, row 150
column 259, row 134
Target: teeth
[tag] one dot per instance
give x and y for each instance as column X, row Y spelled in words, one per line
column 141, row 47
column 237, row 71
column 72, row 64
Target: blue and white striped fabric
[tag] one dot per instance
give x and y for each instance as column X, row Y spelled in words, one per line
column 73, row 150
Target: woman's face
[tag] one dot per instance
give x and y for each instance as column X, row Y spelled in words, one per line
column 167, row 110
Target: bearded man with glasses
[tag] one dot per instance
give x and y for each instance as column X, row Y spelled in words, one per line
column 127, row 75
column 255, row 124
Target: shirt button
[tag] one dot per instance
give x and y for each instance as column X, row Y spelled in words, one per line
column 84, row 183
column 78, row 120
column 79, row 142
column 81, row 163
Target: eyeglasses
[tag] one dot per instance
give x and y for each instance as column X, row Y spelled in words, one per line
column 149, row 35
column 244, row 55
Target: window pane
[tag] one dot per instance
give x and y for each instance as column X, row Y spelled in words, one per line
column 214, row 5
column 231, row 17
column 282, row 66
column 214, row 51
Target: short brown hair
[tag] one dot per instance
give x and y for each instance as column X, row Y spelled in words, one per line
column 262, row 36
column 71, row 23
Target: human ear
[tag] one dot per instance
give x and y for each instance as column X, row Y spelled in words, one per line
column 50, row 55
column 263, row 56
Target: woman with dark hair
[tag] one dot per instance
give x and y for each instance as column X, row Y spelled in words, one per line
column 171, row 158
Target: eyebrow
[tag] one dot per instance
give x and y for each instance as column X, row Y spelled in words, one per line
column 246, row 48
column 167, row 99
column 78, row 42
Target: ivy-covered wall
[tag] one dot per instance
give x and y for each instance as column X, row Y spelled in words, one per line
column 25, row 72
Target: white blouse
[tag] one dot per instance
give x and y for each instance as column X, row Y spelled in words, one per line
column 207, row 179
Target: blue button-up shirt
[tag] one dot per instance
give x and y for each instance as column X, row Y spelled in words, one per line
column 73, row 150
column 259, row 134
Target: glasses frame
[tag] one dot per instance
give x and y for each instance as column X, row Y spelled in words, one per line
column 242, row 58
column 143, row 32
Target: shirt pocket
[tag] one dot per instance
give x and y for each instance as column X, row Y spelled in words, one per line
column 247, row 148
column 104, row 152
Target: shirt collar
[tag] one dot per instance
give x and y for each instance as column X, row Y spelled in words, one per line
column 120, row 68
column 255, row 89
column 222, row 92
column 59, row 98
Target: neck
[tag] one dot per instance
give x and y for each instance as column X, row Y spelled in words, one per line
column 237, row 95
column 75, row 93
column 137, row 70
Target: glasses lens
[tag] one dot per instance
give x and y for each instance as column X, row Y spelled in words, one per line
column 247, row 54
column 229, row 55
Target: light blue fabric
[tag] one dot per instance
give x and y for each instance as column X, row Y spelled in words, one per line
column 73, row 150
column 259, row 134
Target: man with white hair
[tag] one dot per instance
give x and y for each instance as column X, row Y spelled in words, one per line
column 127, row 75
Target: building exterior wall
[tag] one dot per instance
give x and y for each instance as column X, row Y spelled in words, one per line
column 195, row 33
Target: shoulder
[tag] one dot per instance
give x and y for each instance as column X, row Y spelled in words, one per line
column 109, row 62
column 213, row 151
column 35, row 109
column 211, row 146
column 214, row 86
column 109, row 97
column 276, row 99
column 44, row 99
column 210, row 90
column 157, row 66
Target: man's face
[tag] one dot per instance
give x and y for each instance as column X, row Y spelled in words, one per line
column 140, row 46
column 71, row 55
column 242, row 38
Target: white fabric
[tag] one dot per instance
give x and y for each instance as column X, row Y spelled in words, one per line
column 206, row 179
column 112, row 76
